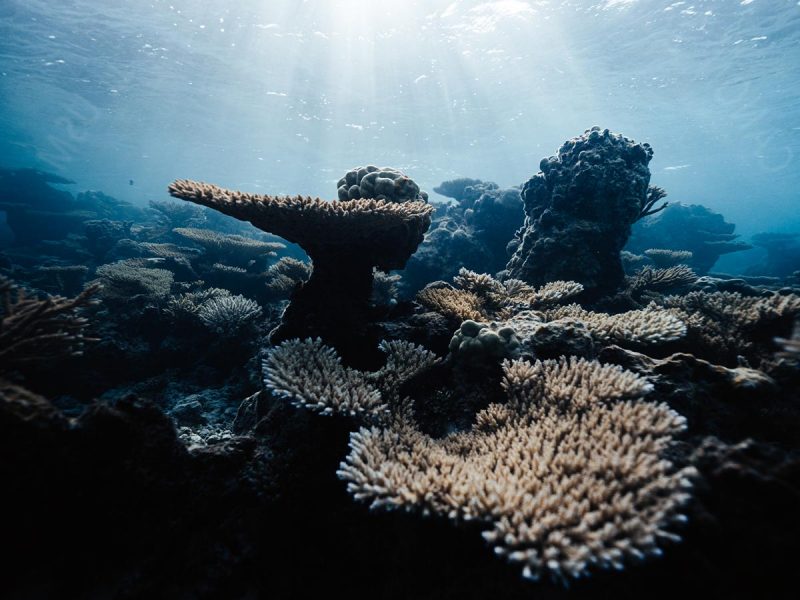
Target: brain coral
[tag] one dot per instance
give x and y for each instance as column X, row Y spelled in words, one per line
column 380, row 183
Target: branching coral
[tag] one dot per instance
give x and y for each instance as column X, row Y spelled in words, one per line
column 228, row 315
column 125, row 279
column 34, row 330
column 481, row 297
column 650, row 326
column 654, row 195
column 568, row 476
column 454, row 304
column 310, row 374
column 664, row 258
column 384, row 288
column 186, row 306
column 345, row 240
column 659, row 280
column 725, row 325
column 285, row 275
column 229, row 248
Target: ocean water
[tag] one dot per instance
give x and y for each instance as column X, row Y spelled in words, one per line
column 557, row 399
column 284, row 96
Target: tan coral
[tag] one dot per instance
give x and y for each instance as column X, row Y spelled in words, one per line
column 311, row 375
column 479, row 296
column 34, row 330
column 664, row 258
column 651, row 325
column 567, row 476
column 662, row 279
column 458, row 305
column 724, row 325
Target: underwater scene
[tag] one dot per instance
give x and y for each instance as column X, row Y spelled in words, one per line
column 400, row 299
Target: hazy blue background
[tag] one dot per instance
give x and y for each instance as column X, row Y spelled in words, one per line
column 284, row 96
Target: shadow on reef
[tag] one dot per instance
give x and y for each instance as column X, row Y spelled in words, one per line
column 192, row 408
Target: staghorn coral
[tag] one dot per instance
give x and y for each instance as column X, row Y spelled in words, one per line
column 453, row 304
column 186, row 306
column 654, row 195
column 227, row 316
column 380, row 183
column 664, row 258
column 568, row 476
column 124, row 279
column 579, row 211
column 229, row 248
column 480, row 297
column 311, row 375
column 659, row 280
column 284, row 276
column 345, row 241
column 650, row 326
column 725, row 325
column 37, row 331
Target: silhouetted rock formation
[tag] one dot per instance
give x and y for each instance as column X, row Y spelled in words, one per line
column 473, row 233
column 579, row 211
column 694, row 228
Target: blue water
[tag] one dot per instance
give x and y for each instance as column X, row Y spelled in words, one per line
column 286, row 95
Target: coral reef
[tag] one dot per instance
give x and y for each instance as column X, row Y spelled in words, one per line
column 783, row 253
column 345, row 240
column 664, row 259
column 173, row 404
column 126, row 279
column 569, row 475
column 35, row 331
column 687, row 228
column 472, row 233
column 579, row 210
column 311, row 375
column 228, row 315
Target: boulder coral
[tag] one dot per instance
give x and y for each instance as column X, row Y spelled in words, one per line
column 579, row 211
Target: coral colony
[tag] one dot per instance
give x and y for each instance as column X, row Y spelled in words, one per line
column 554, row 368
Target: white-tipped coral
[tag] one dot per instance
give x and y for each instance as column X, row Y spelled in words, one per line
column 311, row 375
column 568, row 476
column 650, row 326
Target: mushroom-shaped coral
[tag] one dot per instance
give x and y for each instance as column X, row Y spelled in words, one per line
column 345, row 241
column 579, row 211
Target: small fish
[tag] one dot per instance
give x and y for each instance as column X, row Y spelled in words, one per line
column 130, row 181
